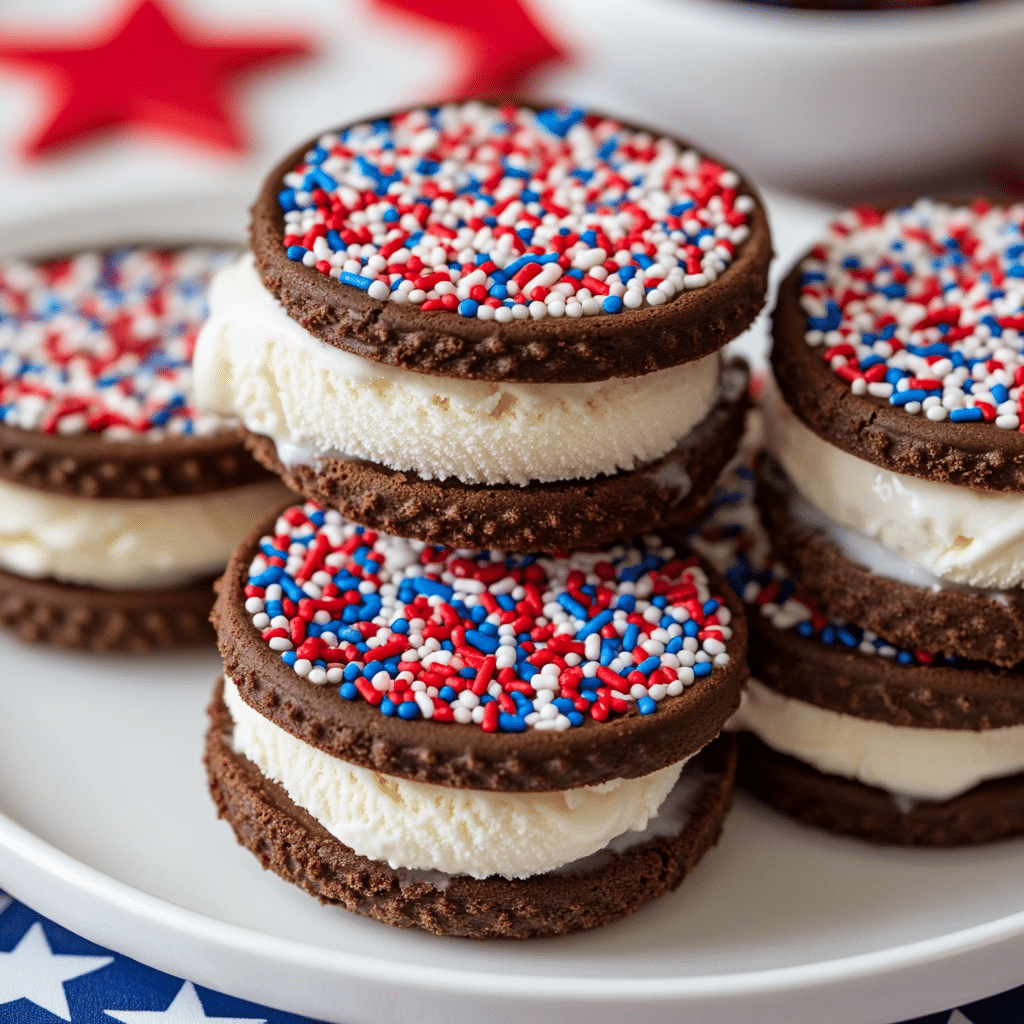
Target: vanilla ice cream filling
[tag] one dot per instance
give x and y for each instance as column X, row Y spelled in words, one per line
column 421, row 826
column 923, row 764
column 314, row 400
column 126, row 544
column 954, row 533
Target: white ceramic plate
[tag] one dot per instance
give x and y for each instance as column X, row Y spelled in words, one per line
column 106, row 827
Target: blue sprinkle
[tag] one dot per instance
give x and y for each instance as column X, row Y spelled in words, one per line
column 590, row 695
column 908, row 396
column 563, row 704
column 498, row 291
column 356, row 280
column 352, row 672
column 904, row 657
column 690, row 627
column 869, row 361
column 680, row 208
column 607, row 148
column 630, row 637
column 993, row 325
column 481, row 641
column 348, row 691
column 288, row 657
column 372, row 668
column 286, row 200
column 468, row 307
column 576, row 718
column 965, row 415
column 510, row 723
column 572, row 606
column 1000, row 394
column 828, row 635
column 894, row 376
column 291, row 589
column 387, row 707
column 389, row 216
column 710, row 607
column 648, row 665
column 894, row 291
column 646, row 705
column 805, row 629
column 400, row 626
column 432, row 588
column 408, row 710
column 612, row 304
column 848, row 636
column 560, row 121
column 702, row 668
column 643, row 259
column 295, row 252
column 675, row 645
column 594, row 625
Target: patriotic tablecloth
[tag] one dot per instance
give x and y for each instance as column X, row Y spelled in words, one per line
column 47, row 972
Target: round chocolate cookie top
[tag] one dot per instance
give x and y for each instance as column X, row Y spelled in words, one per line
column 500, row 241
column 480, row 669
column 900, row 339
column 101, row 342
column 96, row 376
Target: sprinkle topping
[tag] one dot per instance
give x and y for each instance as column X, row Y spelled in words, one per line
column 732, row 537
column 924, row 306
column 509, row 213
column 505, row 642
column 102, row 342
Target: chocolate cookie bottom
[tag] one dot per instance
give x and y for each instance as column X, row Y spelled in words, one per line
column 290, row 842
column 561, row 515
column 990, row 811
column 91, row 619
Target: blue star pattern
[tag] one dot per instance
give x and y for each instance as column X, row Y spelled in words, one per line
column 48, row 973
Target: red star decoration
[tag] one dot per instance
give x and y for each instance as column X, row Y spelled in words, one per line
column 146, row 71
column 502, row 41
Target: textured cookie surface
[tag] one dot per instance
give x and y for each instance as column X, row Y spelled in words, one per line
column 927, row 361
column 693, row 220
column 548, row 516
column 87, row 466
column 967, row 623
column 89, row 619
column 288, row 841
column 292, row 674
column 990, row 811
column 882, row 689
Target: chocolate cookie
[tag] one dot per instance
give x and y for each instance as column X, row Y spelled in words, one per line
column 605, row 738
column 118, row 500
column 517, row 170
column 969, row 623
column 990, row 811
column 920, row 312
column 540, row 516
column 603, row 888
column 848, row 681
column 838, row 697
column 90, row 619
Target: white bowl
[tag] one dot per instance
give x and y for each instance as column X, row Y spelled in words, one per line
column 811, row 98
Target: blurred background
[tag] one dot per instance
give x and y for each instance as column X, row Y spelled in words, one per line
column 104, row 102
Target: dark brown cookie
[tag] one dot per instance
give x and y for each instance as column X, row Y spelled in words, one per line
column 990, row 811
column 88, row 466
column 881, row 689
column 288, row 841
column 966, row 454
column 541, row 516
column 693, row 324
column 625, row 746
column 90, row 619
column 968, row 623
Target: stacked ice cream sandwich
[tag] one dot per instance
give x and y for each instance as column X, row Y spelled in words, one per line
column 889, row 701
column 464, row 677
column 119, row 502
